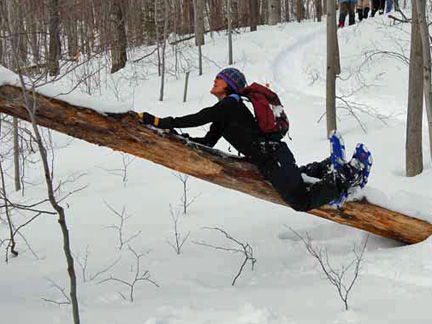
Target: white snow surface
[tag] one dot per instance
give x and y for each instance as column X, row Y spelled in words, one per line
column 286, row 284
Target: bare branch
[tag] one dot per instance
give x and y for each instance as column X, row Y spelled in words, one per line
column 138, row 276
column 245, row 249
column 336, row 276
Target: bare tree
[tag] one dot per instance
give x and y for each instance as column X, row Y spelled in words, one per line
column 273, row 9
column 13, row 13
column 337, row 277
column 83, row 263
column 244, row 249
column 425, row 40
column 119, row 41
column 300, row 10
column 318, row 9
column 413, row 148
column 333, row 67
column 3, row 192
column 54, row 38
column 138, row 276
column 253, row 14
column 179, row 240
column 230, row 47
column 185, row 201
column 30, row 105
column 120, row 227
column 199, row 30
column 161, row 19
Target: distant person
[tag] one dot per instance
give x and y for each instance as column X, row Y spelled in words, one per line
column 363, row 8
column 231, row 119
column 346, row 7
column 377, row 6
column 390, row 4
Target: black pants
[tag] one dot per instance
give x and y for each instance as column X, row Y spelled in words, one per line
column 377, row 5
column 282, row 171
column 347, row 8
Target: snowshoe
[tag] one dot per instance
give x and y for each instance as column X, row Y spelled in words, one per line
column 354, row 174
column 337, row 160
column 362, row 160
column 337, row 151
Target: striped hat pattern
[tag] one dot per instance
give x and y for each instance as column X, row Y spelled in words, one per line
column 233, row 77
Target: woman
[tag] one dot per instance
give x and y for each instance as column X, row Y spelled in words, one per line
column 232, row 120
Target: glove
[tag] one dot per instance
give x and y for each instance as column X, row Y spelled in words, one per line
column 149, row 119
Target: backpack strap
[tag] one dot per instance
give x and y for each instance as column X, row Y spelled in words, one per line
column 235, row 96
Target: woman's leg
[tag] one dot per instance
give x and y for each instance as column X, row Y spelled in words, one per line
column 281, row 170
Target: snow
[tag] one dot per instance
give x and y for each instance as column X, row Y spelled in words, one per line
column 286, row 284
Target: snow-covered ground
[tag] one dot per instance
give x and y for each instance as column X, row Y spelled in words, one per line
column 286, row 284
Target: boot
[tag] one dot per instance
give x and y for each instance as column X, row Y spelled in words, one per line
column 316, row 169
column 342, row 20
column 360, row 14
column 348, row 176
column 365, row 13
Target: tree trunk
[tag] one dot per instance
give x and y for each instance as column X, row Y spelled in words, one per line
column 300, row 10
column 16, row 65
column 54, row 38
column 126, row 134
column 413, row 149
column 119, row 41
column 162, row 11
column 17, row 150
column 230, row 49
column 71, row 29
column 243, row 13
column 273, row 11
column 216, row 16
column 253, row 14
column 199, row 22
column 333, row 67
column 149, row 22
column 287, row 10
column 263, row 12
column 318, row 8
column 188, row 14
column 425, row 38
column 3, row 16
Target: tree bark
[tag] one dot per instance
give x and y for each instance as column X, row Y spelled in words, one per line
column 230, row 47
column 333, row 67
column 414, row 147
column 273, row 11
column 253, row 15
column 199, row 22
column 126, row 134
column 425, row 38
column 318, row 9
column 119, row 42
column 300, row 12
column 54, row 38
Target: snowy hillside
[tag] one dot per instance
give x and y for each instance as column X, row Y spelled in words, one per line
column 286, row 284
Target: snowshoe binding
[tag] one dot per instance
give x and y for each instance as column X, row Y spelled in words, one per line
column 354, row 174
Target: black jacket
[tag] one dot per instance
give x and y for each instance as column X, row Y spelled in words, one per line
column 230, row 119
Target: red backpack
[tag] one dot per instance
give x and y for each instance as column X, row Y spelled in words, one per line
column 268, row 109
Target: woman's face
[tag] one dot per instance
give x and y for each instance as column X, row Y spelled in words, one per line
column 219, row 86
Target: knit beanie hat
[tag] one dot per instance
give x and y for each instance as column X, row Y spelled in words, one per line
column 233, row 77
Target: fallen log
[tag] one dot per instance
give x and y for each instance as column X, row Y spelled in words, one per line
column 125, row 134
